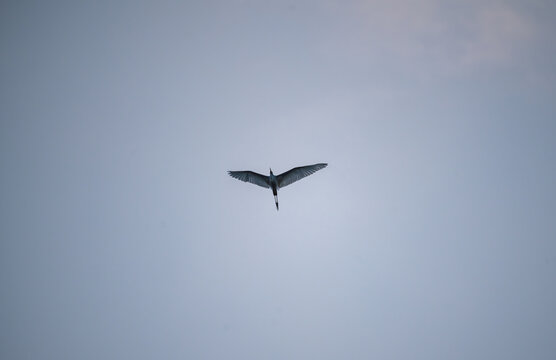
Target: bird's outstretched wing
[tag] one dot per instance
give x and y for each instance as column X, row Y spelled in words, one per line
column 252, row 177
column 297, row 173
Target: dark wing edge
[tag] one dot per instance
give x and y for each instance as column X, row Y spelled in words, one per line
column 252, row 177
column 298, row 173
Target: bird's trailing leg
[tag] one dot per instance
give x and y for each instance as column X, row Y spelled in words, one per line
column 275, row 193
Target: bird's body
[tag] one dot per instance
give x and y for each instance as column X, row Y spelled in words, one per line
column 276, row 182
column 273, row 181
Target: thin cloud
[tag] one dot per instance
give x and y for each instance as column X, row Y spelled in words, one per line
column 450, row 38
column 499, row 33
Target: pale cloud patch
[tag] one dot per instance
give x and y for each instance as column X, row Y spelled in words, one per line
column 438, row 35
column 401, row 26
column 498, row 34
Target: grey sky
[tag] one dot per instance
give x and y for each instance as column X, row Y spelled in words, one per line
column 430, row 235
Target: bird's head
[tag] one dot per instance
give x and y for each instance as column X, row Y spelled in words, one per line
column 271, row 171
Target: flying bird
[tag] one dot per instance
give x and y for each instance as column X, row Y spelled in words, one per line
column 276, row 182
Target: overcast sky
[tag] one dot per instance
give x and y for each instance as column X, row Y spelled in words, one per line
column 430, row 235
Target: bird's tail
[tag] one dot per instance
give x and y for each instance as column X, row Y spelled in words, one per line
column 276, row 201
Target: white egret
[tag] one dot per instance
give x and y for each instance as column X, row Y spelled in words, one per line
column 277, row 182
